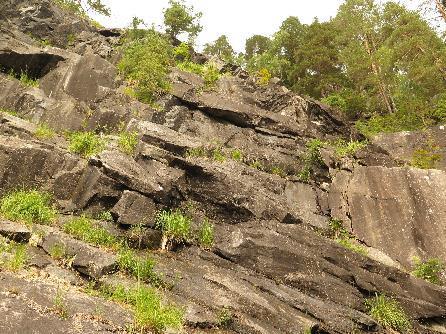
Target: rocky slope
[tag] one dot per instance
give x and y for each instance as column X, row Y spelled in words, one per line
column 272, row 264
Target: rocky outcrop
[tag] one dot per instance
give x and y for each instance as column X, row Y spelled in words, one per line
column 229, row 155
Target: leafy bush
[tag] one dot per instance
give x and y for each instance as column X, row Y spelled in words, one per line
column 237, row 155
column 145, row 66
column 75, row 7
column 348, row 148
column 174, row 225
column 311, row 159
column 86, row 143
column 210, row 75
column 388, row 313
column 182, row 53
column 43, row 132
column 264, row 76
column 336, row 101
column 150, row 312
column 206, row 235
column 13, row 256
column 84, row 229
column 429, row 270
column 128, row 141
column 217, row 155
column 28, row 206
column 198, row 152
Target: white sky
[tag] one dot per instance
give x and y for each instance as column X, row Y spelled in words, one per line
column 238, row 19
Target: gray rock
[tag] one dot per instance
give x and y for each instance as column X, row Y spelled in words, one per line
column 14, row 231
column 134, row 209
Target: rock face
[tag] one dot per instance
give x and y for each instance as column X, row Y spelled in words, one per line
column 231, row 156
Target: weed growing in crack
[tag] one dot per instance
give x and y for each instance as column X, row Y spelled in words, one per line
column 429, row 270
column 60, row 306
column 43, row 132
column 13, row 256
column 388, row 313
column 175, row 226
column 86, row 144
column 206, row 235
column 128, row 141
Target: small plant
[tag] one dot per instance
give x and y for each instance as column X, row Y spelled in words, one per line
column 43, row 132
column 210, row 75
column 9, row 112
column 206, row 235
column 84, row 229
column 26, row 80
column 425, row 159
column 198, row 152
column 45, row 43
column 264, row 77
column 60, row 306
column 429, row 270
column 105, row 216
column 13, row 256
column 311, row 159
column 217, row 155
column 350, row 244
column 128, row 141
column 175, row 227
column 57, row 251
column 256, row 164
column 237, row 155
column 388, row 313
column 278, row 171
column 344, row 238
column 150, row 312
column 71, row 39
column 182, row 52
column 225, row 317
column 30, row 207
column 138, row 267
column 85, row 143
column 348, row 149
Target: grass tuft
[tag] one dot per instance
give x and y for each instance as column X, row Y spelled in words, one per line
column 428, row 270
column 388, row 313
column 206, row 235
column 138, row 267
column 43, row 132
column 28, row 206
column 13, row 256
column 128, row 141
column 86, row 144
column 175, row 227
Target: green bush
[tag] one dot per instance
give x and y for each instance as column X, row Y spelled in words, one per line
column 138, row 267
column 128, row 141
column 145, row 65
column 28, row 206
column 345, row 148
column 86, row 143
column 335, row 101
column 429, row 270
column 210, row 75
column 85, row 229
column 175, row 227
column 388, row 313
column 425, row 159
column 150, row 311
column 263, row 77
column 182, row 53
column 217, row 155
column 237, row 155
column 311, row 159
column 198, row 152
column 206, row 235
column 9, row 112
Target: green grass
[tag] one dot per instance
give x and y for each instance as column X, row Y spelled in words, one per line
column 206, row 235
column 198, row 152
column 9, row 112
column 43, row 132
column 138, row 267
column 13, row 256
column 85, row 229
column 350, row 244
column 278, row 171
column 86, row 144
column 429, row 270
column 425, row 159
column 311, row 159
column 28, row 206
column 26, row 80
column 217, row 155
column 128, row 141
column 225, row 317
column 256, row 165
column 60, row 306
column 151, row 313
column 175, row 227
column 345, row 148
column 388, row 313
column 57, row 251
column 344, row 238
column 105, row 216
column 237, row 155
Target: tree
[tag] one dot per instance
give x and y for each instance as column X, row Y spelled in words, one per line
column 178, row 18
column 221, row 48
column 256, row 45
column 82, row 7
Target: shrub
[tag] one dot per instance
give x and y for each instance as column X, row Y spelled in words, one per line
column 225, row 317
column 335, row 101
column 345, row 148
column 311, row 159
column 388, row 313
column 206, row 235
column 86, row 143
column 278, row 171
column 211, row 75
column 150, row 312
column 84, row 229
column 256, row 165
column 182, row 52
column 145, row 66
column 128, row 141
column 43, row 132
column 105, row 216
column 28, row 206
column 217, row 155
column 175, row 227
column 198, row 152
column 344, row 238
column 429, row 270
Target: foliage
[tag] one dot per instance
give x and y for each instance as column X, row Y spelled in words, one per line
column 217, row 155
column 60, row 306
column 81, row 8
column 86, row 144
column 237, row 155
column 257, row 165
column 128, row 141
column 395, row 122
column 174, row 225
column 256, row 45
column 264, row 76
column 145, row 65
column 345, row 148
column 225, row 317
column 28, row 206
column 150, row 311
column 85, row 229
column 196, row 152
column 336, row 101
column 57, row 251
column 278, row 171
column 26, row 79
column 344, row 238
column 428, row 270
column 43, row 132
column 13, row 256
column 139, row 267
column 311, row 159
column 220, row 48
column 182, row 52
column 425, row 158
column 211, row 75
column 9, row 112
column 388, row 312
column 105, row 216
column 206, row 235
column 179, row 18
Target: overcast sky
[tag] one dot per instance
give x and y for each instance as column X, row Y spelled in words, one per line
column 238, row 19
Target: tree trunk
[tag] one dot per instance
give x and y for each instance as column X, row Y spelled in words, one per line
column 441, row 8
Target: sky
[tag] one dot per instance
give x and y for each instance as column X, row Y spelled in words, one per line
column 237, row 19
